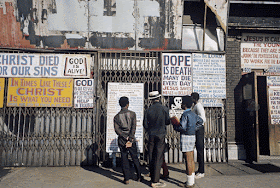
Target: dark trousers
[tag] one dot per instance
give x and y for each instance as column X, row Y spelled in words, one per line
column 156, row 151
column 125, row 162
column 199, row 144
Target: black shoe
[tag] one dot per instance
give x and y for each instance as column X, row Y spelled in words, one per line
column 140, row 179
column 126, row 182
column 163, row 176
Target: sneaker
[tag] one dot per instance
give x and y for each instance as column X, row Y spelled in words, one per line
column 159, row 184
column 199, row 175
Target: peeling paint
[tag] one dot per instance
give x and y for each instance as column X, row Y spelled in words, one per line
column 105, row 24
column 220, row 9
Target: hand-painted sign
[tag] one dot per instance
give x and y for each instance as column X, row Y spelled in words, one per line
column 176, row 74
column 40, row 92
column 274, row 104
column 83, row 93
column 209, row 75
column 2, row 89
column 135, row 93
column 273, row 80
column 260, row 51
column 44, row 65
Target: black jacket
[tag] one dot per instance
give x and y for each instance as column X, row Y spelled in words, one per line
column 156, row 117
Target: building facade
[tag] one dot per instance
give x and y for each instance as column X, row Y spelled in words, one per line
column 55, row 54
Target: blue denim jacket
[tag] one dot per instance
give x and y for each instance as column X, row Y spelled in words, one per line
column 189, row 122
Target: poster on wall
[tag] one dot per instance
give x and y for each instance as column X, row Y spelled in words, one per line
column 44, row 65
column 209, row 76
column 176, row 74
column 84, row 93
column 273, row 83
column 274, row 104
column 40, row 92
column 2, row 89
column 260, row 51
column 135, row 93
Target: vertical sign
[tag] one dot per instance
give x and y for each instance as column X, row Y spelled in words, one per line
column 273, row 83
column 135, row 93
column 176, row 74
column 209, row 75
column 83, row 93
column 274, row 104
column 40, row 92
column 2, row 87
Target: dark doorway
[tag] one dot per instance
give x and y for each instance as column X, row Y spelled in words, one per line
column 263, row 116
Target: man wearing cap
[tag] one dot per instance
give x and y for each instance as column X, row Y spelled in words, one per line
column 156, row 117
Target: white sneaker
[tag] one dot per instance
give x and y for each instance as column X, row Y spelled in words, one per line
column 159, row 184
column 199, row 175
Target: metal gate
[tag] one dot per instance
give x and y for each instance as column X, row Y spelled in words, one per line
column 145, row 67
column 66, row 136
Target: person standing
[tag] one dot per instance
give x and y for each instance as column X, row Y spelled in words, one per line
column 199, row 110
column 187, row 125
column 125, row 127
column 156, row 117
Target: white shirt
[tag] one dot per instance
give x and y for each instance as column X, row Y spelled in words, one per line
column 199, row 110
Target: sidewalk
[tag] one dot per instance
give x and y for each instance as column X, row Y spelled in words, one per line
column 219, row 175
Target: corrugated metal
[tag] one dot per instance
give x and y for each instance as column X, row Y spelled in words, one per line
column 91, row 24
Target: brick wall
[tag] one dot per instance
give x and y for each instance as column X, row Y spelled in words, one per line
column 234, row 93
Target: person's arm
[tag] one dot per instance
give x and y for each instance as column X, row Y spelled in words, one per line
column 199, row 121
column 117, row 127
column 183, row 122
column 201, row 112
column 133, row 126
column 145, row 121
column 167, row 117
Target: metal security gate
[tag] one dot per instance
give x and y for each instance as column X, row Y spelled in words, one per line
column 140, row 67
column 145, row 67
column 66, row 136
column 46, row 136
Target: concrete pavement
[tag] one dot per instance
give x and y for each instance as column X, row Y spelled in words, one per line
column 219, row 175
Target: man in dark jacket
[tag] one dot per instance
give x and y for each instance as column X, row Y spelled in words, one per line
column 156, row 118
column 125, row 127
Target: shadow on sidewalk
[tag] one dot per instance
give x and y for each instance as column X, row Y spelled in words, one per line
column 264, row 168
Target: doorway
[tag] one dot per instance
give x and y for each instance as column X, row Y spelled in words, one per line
column 263, row 116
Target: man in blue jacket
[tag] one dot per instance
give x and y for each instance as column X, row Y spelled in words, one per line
column 188, row 123
column 156, row 117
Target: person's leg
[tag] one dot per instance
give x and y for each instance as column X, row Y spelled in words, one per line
column 133, row 152
column 200, row 149
column 125, row 163
column 189, row 162
column 190, row 166
column 151, row 146
column 164, row 168
column 159, row 146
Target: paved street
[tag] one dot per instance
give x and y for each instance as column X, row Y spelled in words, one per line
column 230, row 175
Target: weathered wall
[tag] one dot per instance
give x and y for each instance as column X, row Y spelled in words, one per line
column 91, row 24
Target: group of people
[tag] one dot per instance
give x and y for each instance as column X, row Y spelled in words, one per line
column 156, row 118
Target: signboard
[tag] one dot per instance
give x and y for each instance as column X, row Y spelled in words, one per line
column 40, row 92
column 2, row 89
column 260, row 51
column 176, row 74
column 44, row 65
column 209, row 75
column 83, row 93
column 274, row 104
column 135, row 93
column 273, row 80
